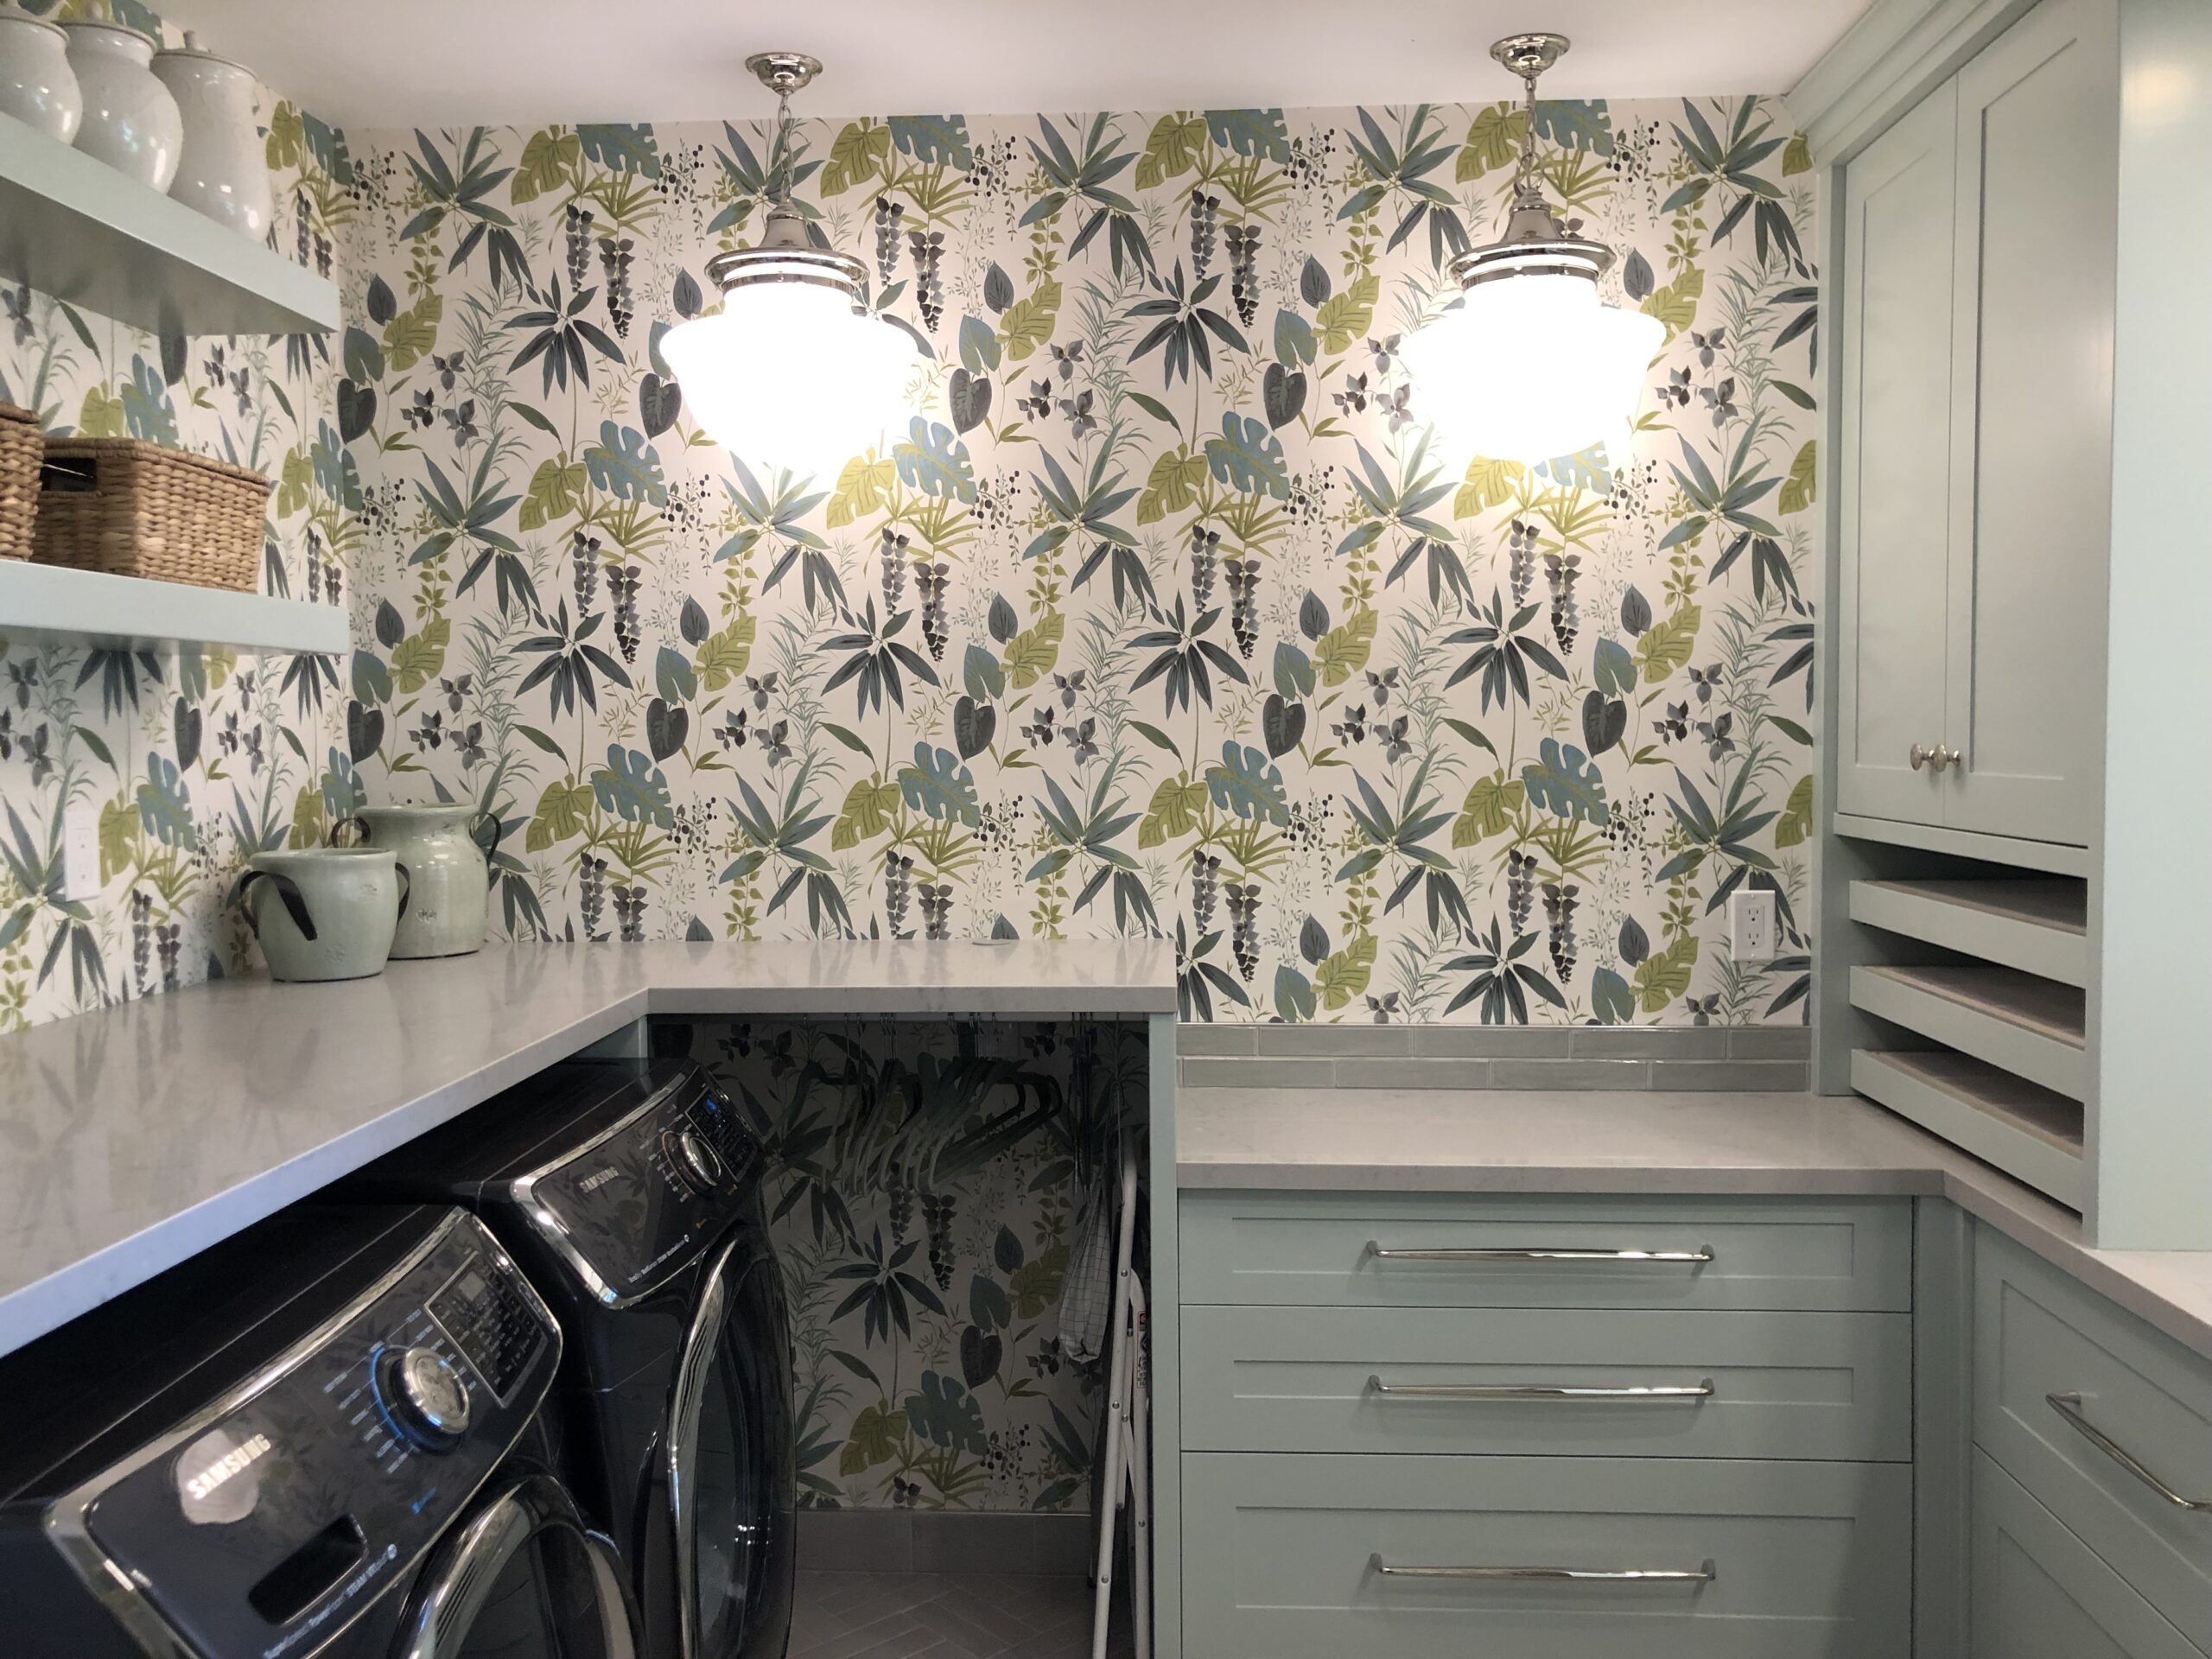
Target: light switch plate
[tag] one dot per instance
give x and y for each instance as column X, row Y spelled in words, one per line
column 1751, row 925
column 80, row 854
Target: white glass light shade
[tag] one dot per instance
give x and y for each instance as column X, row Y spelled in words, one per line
column 788, row 375
column 1531, row 367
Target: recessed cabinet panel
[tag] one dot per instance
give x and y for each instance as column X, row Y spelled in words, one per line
column 2032, row 396
column 1895, row 430
column 2040, row 1593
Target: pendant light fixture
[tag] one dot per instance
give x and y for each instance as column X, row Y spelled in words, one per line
column 1530, row 364
column 794, row 370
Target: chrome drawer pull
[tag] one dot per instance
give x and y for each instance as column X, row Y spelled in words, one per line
column 1533, row 1391
column 2069, row 1407
column 1696, row 1256
column 1704, row 1574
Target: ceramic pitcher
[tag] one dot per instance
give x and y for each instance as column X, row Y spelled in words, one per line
column 131, row 121
column 224, row 172
column 448, row 849
column 37, row 86
column 327, row 912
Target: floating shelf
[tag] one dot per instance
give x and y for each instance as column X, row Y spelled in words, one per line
column 76, row 228
column 51, row 600
column 2038, row 927
column 2031, row 1028
column 2031, row 1133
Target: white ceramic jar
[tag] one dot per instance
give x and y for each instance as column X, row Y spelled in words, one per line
column 131, row 121
column 224, row 172
column 37, row 86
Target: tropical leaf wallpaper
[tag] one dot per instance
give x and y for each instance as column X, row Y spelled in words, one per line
column 1159, row 610
column 189, row 760
column 927, row 1191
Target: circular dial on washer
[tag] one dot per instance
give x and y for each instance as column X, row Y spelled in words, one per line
column 699, row 1164
column 422, row 1392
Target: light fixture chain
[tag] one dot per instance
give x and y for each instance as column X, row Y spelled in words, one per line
column 783, row 179
column 1526, row 181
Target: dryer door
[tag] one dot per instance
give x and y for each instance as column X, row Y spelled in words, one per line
column 520, row 1579
column 731, row 1462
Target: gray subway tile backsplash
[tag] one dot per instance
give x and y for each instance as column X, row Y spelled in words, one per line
column 1771, row 1043
column 1359, row 1055
column 1778, row 1077
column 1232, row 1071
column 1649, row 1042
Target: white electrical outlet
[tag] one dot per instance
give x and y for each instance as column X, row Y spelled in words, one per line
column 1751, row 925
column 80, row 854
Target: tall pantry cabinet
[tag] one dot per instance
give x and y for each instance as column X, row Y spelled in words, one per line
column 2016, row 904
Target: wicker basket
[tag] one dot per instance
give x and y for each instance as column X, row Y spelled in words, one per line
column 21, row 446
column 135, row 509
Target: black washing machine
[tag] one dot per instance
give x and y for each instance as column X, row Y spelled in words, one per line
column 628, row 1191
column 323, row 1440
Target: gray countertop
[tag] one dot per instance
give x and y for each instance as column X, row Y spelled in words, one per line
column 131, row 1139
column 1521, row 1142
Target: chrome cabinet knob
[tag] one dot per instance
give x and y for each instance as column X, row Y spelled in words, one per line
column 1936, row 760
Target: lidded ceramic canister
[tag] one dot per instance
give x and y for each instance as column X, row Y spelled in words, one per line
column 224, row 172
column 446, row 850
column 327, row 912
column 37, row 86
column 131, row 121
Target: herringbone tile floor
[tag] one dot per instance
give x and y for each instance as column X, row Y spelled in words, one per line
column 945, row 1615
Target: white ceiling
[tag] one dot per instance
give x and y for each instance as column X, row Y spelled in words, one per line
column 381, row 63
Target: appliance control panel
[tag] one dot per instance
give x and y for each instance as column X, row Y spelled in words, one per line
column 266, row 1525
column 644, row 1200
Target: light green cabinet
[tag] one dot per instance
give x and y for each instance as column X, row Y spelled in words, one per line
column 2105, row 1424
column 1322, row 1557
column 1550, row 1382
column 1550, row 1426
column 1394, row 1249
column 2040, row 1593
column 1976, row 440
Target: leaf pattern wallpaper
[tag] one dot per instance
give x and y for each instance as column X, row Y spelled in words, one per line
column 926, row 1187
column 190, row 760
column 1159, row 610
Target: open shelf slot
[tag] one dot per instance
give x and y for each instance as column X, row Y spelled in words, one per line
column 2029, row 1027
column 2031, row 1133
column 2038, row 926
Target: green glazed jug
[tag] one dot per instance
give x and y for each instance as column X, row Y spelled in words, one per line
column 325, row 912
column 447, row 850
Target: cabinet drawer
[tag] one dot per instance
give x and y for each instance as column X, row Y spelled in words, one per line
column 2040, row 1593
column 1282, row 1558
column 1484, row 1251
column 2039, row 1333
column 1773, row 1385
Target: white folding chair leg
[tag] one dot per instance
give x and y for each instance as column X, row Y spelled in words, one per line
column 1140, row 1462
column 1119, row 1374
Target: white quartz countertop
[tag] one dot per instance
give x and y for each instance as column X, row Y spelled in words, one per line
column 1519, row 1142
column 134, row 1138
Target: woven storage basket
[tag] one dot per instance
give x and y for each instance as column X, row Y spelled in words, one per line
column 135, row 509
column 21, row 446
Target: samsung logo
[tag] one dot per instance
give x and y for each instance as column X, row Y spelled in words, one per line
column 593, row 1183
column 204, row 1483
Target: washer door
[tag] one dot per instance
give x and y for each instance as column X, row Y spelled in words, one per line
column 732, row 1480
column 520, row 1579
